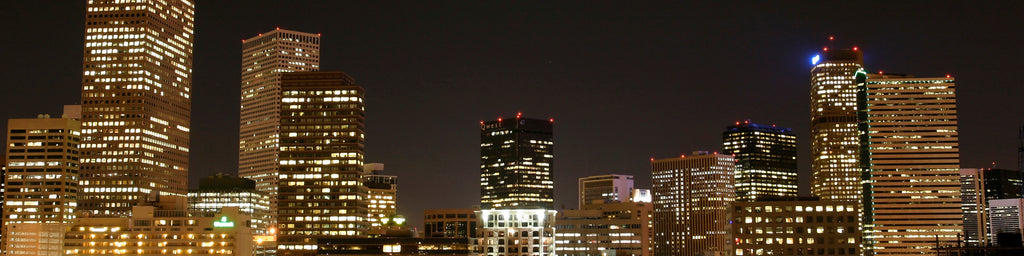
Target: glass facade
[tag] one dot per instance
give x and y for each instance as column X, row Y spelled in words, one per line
column 516, row 159
column 835, row 141
column 765, row 160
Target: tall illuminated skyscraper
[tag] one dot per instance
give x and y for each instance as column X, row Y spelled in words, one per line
column 516, row 159
column 835, row 141
column 264, row 58
column 136, row 104
column 765, row 160
column 42, row 184
column 912, row 138
column 320, row 192
column 692, row 195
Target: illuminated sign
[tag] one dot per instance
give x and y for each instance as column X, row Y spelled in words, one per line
column 224, row 223
column 815, row 59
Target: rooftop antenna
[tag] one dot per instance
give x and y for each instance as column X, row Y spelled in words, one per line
column 1020, row 148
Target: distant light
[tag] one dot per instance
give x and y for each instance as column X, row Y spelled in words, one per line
column 682, row 156
column 481, row 122
column 499, row 119
column 551, row 120
column 716, row 152
column 948, row 76
column 652, row 159
column 278, row 28
column 317, row 34
column 519, row 114
column 826, row 49
column 737, row 122
column 830, row 38
column 854, row 48
column 879, row 72
column 816, row 58
column 260, row 34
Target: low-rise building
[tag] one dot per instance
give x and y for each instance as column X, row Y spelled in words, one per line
column 799, row 227
column 621, row 229
column 455, row 223
column 161, row 232
column 515, row 232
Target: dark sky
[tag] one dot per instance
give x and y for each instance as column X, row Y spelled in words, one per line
column 624, row 81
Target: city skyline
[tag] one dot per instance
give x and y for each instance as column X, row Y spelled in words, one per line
column 648, row 73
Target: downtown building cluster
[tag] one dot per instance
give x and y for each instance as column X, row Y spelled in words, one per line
column 109, row 176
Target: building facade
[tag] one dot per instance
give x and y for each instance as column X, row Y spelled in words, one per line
column 449, row 223
column 614, row 228
column 41, row 184
column 515, row 232
column 219, row 191
column 797, row 227
column 765, row 160
column 1006, row 220
column 322, row 140
column 516, row 161
column 605, row 188
column 692, row 195
column 974, row 206
column 382, row 194
column 912, row 138
column 136, row 104
column 835, row 147
column 148, row 231
column 264, row 57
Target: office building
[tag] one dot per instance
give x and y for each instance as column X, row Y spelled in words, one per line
column 515, row 232
column 320, row 192
column 834, row 136
column 605, row 188
column 765, row 160
column 912, row 138
column 219, row 191
column 692, row 195
column 450, row 223
column 1006, row 220
column 149, row 231
column 797, row 226
column 264, row 58
column 977, row 187
column 382, row 194
column 516, row 161
column 613, row 228
column 136, row 104
column 974, row 206
column 41, row 183
column 641, row 195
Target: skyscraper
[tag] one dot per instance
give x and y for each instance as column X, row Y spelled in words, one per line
column 691, row 204
column 320, row 192
column 605, row 188
column 765, row 160
column 136, row 104
column 835, row 143
column 264, row 58
column 42, row 184
column 914, row 163
column 516, row 159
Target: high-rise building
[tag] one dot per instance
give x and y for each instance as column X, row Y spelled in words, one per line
column 605, row 188
column 450, row 223
column 516, row 161
column 136, row 104
column 264, row 57
column 765, row 160
column 835, row 140
column 912, row 139
column 613, row 228
column 973, row 204
column 796, row 227
column 322, row 137
column 41, row 182
column 977, row 187
column 692, row 195
column 1006, row 219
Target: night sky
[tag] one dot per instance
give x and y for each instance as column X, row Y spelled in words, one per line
column 624, row 81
